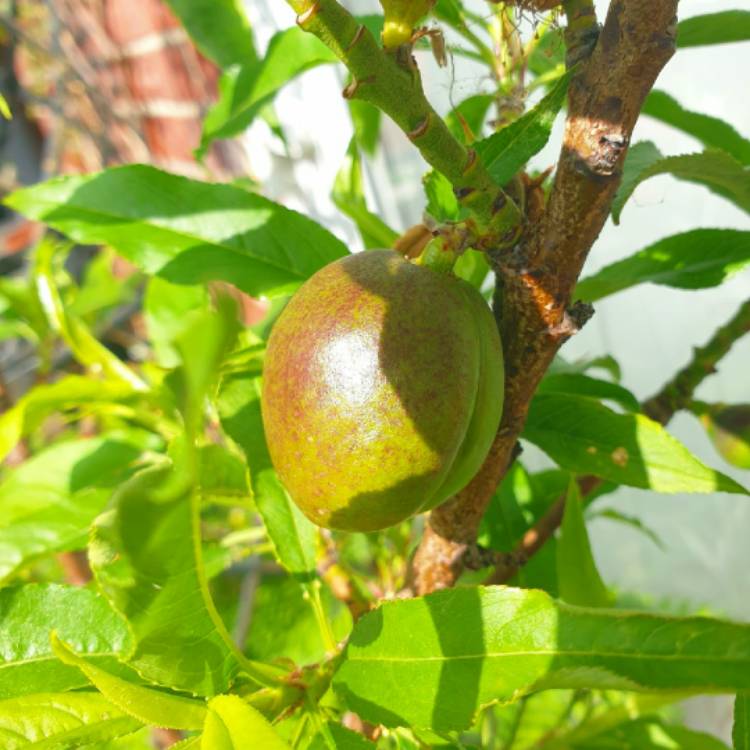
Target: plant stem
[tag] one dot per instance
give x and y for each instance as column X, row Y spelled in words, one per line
column 391, row 81
column 534, row 284
column 678, row 392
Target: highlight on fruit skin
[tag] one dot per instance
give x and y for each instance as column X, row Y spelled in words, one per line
column 401, row 16
column 729, row 430
column 382, row 390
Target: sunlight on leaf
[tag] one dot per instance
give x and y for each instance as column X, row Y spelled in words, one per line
column 231, row 723
column 149, row 706
column 61, row 720
column 434, row 661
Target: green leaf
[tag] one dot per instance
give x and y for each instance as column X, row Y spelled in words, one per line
column 711, row 131
column 19, row 302
column 145, row 704
column 714, row 28
column 698, row 259
column 718, row 171
column 186, row 231
column 579, row 581
column 203, row 346
column 639, row 158
column 70, row 392
column 471, row 112
column 219, row 28
column 5, row 109
column 366, row 119
column 166, row 309
column 231, row 724
column 349, row 197
column 223, row 476
column 83, row 344
column 344, row 739
column 520, row 501
column 472, row 266
column 292, row 534
column 741, row 728
column 450, row 12
column 548, row 54
column 101, row 290
column 650, row 734
column 81, row 616
column 586, row 437
column 606, row 362
column 191, row 743
column 433, row 661
column 532, row 722
column 147, row 557
column 442, row 203
column 632, row 521
column 281, row 599
column 245, row 89
column 54, row 721
column 615, row 710
column 140, row 740
column 504, row 153
column 50, row 500
column 585, row 385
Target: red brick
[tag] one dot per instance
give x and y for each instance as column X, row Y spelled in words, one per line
column 128, row 20
column 172, row 138
column 161, row 75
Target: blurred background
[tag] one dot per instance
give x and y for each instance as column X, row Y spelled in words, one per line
column 99, row 82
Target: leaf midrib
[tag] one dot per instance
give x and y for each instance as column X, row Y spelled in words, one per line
column 553, row 652
column 180, row 233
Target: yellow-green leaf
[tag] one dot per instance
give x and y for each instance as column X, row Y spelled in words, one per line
column 232, row 724
column 149, row 706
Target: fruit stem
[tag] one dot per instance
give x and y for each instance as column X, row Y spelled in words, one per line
column 439, row 256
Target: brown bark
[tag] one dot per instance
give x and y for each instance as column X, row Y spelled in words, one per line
column 537, row 278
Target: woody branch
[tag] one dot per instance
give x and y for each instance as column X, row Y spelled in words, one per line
column 536, row 280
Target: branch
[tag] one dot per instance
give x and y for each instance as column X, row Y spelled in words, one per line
column 391, row 81
column 673, row 397
column 678, row 392
column 535, row 282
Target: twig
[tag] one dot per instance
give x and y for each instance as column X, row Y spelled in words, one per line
column 391, row 81
column 673, row 397
column 535, row 282
column 678, row 392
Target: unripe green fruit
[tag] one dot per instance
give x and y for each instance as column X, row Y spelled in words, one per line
column 382, row 390
column 729, row 429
